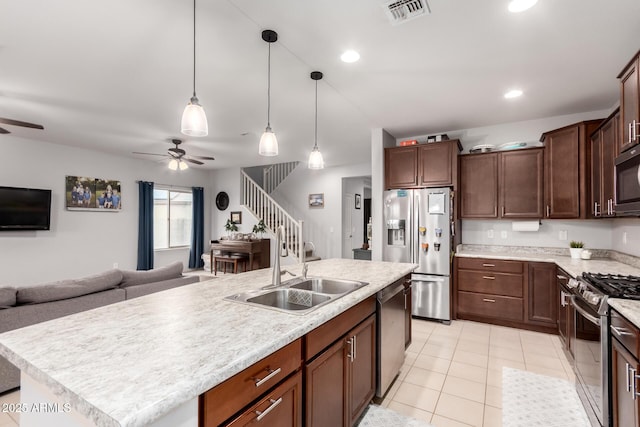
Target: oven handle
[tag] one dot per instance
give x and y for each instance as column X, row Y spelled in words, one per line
column 591, row 318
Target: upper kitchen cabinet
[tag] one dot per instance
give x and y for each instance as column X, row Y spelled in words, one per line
column 605, row 142
column 422, row 165
column 502, row 185
column 630, row 103
column 566, row 167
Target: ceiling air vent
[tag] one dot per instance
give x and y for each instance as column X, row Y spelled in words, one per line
column 400, row 11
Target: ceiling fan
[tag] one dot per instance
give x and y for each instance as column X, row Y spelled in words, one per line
column 178, row 156
column 17, row 123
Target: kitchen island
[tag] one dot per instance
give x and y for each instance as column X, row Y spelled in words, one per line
column 146, row 361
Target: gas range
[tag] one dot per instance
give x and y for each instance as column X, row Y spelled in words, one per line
column 595, row 288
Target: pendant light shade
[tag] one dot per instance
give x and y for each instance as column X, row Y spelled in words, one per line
column 268, row 141
column 315, row 158
column 194, row 119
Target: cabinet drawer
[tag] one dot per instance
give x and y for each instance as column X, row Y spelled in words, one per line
column 497, row 265
column 486, row 305
column 625, row 332
column 226, row 399
column 282, row 407
column 491, row 283
column 327, row 333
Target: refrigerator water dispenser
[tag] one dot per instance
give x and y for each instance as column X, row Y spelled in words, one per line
column 396, row 235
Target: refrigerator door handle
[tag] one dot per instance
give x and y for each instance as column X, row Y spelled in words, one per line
column 415, row 236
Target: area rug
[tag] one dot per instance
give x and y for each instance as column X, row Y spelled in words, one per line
column 377, row 416
column 533, row 400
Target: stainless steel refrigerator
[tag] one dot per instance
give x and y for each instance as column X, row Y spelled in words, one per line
column 419, row 229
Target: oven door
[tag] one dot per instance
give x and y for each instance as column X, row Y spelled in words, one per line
column 590, row 361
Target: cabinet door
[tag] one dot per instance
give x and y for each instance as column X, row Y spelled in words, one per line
column 435, row 164
column 362, row 368
column 326, row 388
column 479, row 186
column 521, row 184
column 542, row 302
column 401, row 167
column 629, row 105
column 597, row 207
column 561, row 173
column 625, row 407
column 281, row 407
column 610, row 139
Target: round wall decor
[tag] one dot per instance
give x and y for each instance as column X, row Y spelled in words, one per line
column 222, row 201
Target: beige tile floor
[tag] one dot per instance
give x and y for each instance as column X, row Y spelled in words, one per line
column 452, row 376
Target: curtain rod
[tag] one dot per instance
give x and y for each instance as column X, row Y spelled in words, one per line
column 167, row 185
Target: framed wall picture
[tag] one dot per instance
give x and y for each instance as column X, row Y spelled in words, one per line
column 316, row 200
column 236, row 217
column 358, row 201
column 92, row 194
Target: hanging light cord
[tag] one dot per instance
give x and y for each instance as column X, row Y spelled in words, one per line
column 315, row 145
column 194, row 48
column 269, row 88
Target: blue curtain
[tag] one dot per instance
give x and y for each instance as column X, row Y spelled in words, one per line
column 197, row 229
column 145, row 225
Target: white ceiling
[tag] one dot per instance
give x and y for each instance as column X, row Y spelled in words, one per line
column 115, row 75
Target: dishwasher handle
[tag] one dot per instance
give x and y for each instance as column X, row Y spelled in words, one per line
column 389, row 292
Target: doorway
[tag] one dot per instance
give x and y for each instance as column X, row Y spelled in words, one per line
column 356, row 210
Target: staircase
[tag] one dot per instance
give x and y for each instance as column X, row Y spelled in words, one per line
column 273, row 175
column 259, row 203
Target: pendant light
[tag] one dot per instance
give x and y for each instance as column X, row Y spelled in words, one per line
column 194, row 119
column 268, row 142
column 315, row 158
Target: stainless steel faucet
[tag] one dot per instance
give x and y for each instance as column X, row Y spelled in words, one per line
column 305, row 267
column 280, row 251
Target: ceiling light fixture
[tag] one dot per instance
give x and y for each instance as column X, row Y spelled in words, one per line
column 268, row 141
column 350, row 56
column 513, row 94
column 315, row 158
column 194, row 119
column 175, row 164
column 516, row 6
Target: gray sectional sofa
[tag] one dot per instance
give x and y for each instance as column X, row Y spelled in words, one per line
column 28, row 305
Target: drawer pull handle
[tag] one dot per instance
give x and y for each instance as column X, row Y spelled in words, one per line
column 489, row 277
column 262, row 414
column 628, row 377
column 560, row 277
column 488, row 265
column 634, row 378
column 488, row 300
column 272, row 373
column 620, row 331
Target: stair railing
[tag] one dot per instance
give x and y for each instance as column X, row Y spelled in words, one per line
column 273, row 175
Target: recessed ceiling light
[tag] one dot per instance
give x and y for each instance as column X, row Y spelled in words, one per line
column 516, row 6
column 513, row 93
column 350, row 56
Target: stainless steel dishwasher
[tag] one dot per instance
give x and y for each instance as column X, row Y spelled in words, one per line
column 390, row 335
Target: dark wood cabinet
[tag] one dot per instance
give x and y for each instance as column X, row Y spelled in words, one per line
column 326, row 383
column 361, row 369
column 479, row 186
column 543, row 309
column 422, row 165
column 630, row 104
column 604, row 148
column 624, row 372
column 502, row 185
column 565, row 310
column 567, row 172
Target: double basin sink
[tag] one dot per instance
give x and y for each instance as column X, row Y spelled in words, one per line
column 299, row 295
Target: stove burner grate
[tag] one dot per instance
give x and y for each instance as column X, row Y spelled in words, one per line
column 615, row 285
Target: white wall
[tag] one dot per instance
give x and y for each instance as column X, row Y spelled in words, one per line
column 630, row 226
column 79, row 243
column 380, row 139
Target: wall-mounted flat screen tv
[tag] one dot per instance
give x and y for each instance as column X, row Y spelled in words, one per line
column 24, row 209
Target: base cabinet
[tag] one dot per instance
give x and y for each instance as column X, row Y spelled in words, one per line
column 543, row 309
column 625, row 367
column 566, row 320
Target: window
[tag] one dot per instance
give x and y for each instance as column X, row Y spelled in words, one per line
column 172, row 218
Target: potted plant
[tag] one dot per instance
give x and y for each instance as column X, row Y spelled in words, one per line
column 575, row 248
column 260, row 228
column 230, row 226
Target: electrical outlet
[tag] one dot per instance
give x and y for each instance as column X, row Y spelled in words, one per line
column 115, row 265
column 503, row 234
column 624, row 238
column 562, row 235
column 490, row 234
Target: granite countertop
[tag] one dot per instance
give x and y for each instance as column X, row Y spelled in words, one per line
column 129, row 363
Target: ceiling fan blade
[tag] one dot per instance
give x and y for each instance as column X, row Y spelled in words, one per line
column 4, row 131
column 19, row 123
column 202, row 157
column 195, row 162
column 149, row 154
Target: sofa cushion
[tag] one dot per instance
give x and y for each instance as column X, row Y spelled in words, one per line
column 7, row 297
column 65, row 289
column 134, row 278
